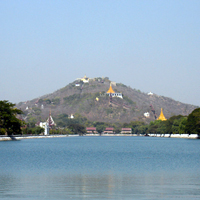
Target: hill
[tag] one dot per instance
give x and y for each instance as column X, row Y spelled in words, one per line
column 90, row 100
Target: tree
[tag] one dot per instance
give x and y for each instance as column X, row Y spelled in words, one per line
column 142, row 129
column 182, row 125
column 62, row 120
column 31, row 121
column 36, row 130
column 100, row 128
column 175, row 126
column 117, row 130
column 172, row 124
column 157, row 126
column 193, row 122
column 77, row 128
column 9, row 124
column 135, row 125
column 153, row 126
column 178, row 126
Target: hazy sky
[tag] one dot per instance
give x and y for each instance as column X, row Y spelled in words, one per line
column 150, row 45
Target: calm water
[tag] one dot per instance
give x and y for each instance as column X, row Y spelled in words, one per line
column 100, row 168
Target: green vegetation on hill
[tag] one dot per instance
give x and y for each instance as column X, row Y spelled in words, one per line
column 178, row 124
column 91, row 101
column 175, row 125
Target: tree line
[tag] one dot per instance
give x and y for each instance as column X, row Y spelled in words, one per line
column 11, row 124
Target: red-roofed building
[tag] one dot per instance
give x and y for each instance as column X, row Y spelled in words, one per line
column 91, row 130
column 126, row 130
column 109, row 130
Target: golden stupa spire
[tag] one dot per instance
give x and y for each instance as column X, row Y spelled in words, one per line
column 110, row 90
column 161, row 117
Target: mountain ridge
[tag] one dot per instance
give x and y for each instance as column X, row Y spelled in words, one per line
column 90, row 100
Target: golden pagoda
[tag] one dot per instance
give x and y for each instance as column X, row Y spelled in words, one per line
column 110, row 90
column 85, row 79
column 161, row 117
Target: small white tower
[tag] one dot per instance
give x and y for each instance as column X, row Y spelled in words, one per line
column 46, row 129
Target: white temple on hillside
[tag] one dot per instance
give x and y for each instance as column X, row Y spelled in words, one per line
column 84, row 79
column 112, row 93
column 147, row 114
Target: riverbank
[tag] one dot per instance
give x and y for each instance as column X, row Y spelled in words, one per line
column 191, row 136
column 105, row 135
column 186, row 136
column 7, row 138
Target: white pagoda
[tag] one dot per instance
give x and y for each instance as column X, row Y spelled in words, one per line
column 48, row 124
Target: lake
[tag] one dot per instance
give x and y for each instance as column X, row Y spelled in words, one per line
column 100, row 168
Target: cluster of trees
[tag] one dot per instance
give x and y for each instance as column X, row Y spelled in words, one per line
column 55, row 101
column 36, row 130
column 193, row 122
column 175, row 125
column 10, row 124
column 63, row 120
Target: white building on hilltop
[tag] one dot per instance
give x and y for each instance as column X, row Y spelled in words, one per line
column 84, row 79
column 150, row 94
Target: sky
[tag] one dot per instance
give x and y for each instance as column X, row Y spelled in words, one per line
column 147, row 45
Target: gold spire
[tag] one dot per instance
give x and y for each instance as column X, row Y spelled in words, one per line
column 110, row 90
column 161, row 117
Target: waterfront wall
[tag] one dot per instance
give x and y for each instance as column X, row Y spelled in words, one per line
column 109, row 134
column 189, row 136
column 6, row 138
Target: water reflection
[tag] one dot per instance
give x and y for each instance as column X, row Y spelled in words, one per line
column 101, row 186
column 100, row 168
